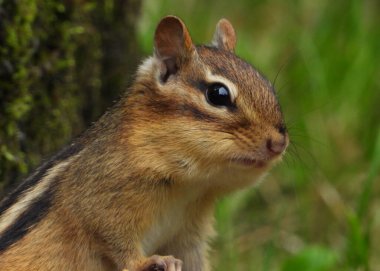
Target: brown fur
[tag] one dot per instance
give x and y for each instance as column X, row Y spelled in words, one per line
column 150, row 170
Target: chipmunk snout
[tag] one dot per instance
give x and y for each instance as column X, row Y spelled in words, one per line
column 277, row 144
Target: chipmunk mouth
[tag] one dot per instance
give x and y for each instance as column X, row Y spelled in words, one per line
column 249, row 162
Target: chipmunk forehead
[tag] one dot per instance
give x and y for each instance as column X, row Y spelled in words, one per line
column 228, row 65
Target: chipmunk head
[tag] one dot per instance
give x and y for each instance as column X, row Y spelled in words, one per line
column 201, row 109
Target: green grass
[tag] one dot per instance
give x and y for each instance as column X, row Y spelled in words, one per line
column 319, row 209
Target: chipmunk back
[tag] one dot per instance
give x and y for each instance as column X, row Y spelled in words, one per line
column 137, row 190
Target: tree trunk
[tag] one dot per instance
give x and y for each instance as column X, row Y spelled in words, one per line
column 62, row 63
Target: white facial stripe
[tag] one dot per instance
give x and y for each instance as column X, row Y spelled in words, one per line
column 13, row 213
column 213, row 78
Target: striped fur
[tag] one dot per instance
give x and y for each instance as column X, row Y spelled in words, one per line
column 30, row 201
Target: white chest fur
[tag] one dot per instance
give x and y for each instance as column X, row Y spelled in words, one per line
column 164, row 229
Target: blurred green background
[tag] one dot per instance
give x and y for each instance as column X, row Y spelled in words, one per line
column 320, row 208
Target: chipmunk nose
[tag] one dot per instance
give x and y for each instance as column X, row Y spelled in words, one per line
column 277, row 145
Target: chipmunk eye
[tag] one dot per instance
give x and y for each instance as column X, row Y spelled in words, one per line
column 218, row 94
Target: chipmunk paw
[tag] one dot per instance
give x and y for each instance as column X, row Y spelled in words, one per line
column 162, row 263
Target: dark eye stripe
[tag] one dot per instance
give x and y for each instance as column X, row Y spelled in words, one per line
column 198, row 84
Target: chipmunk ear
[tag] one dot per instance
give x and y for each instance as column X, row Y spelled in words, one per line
column 172, row 44
column 224, row 36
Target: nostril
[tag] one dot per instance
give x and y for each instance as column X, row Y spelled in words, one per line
column 282, row 129
column 276, row 146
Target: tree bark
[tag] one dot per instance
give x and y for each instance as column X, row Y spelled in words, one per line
column 62, row 63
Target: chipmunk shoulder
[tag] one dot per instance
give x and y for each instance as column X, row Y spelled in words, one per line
column 137, row 190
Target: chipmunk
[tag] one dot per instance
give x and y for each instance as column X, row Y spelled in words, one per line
column 137, row 190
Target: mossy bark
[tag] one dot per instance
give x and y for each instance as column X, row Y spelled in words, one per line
column 62, row 63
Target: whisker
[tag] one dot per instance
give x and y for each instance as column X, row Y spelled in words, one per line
column 278, row 72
